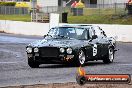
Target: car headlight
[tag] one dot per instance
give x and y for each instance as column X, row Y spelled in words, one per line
column 29, row 50
column 36, row 50
column 62, row 50
column 69, row 51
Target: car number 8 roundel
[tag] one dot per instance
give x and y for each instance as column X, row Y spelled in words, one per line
column 94, row 50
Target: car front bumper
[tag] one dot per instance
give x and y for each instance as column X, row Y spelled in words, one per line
column 51, row 60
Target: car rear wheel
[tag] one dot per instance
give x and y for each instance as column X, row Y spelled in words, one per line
column 81, row 58
column 109, row 57
column 32, row 63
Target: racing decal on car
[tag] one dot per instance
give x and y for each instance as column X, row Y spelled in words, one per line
column 94, row 49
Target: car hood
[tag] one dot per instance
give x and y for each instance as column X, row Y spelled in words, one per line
column 59, row 43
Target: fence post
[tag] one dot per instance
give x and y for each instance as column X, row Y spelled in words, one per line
column 53, row 9
column 0, row 9
column 77, row 12
column 115, row 8
column 124, row 8
column 5, row 10
column 36, row 17
column 14, row 10
column 8, row 10
column 47, row 9
column 99, row 9
column 31, row 18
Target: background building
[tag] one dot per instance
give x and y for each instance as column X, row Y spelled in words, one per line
column 43, row 3
column 60, row 2
column 98, row 1
column 14, row 0
column 108, row 1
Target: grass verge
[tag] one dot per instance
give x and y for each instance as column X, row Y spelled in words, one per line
column 101, row 19
column 86, row 19
column 25, row 18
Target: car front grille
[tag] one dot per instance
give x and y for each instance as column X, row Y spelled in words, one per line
column 49, row 52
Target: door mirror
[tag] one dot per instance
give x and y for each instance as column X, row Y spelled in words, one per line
column 94, row 36
column 45, row 36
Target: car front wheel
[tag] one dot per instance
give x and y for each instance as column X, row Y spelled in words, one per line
column 109, row 57
column 32, row 63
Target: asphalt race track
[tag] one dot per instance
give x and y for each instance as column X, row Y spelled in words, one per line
column 15, row 71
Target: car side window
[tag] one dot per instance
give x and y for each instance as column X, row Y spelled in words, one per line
column 72, row 32
column 82, row 33
column 52, row 31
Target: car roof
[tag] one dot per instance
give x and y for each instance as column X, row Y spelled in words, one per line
column 77, row 26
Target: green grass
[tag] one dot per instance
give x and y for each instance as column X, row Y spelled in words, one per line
column 25, row 18
column 86, row 19
column 100, row 19
column 101, row 16
column 99, row 11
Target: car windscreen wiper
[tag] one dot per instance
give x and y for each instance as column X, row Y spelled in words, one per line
column 49, row 35
column 62, row 36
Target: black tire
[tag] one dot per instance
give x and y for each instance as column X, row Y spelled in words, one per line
column 81, row 58
column 32, row 63
column 109, row 57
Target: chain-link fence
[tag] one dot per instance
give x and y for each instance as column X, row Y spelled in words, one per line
column 40, row 13
column 99, row 9
column 90, row 9
column 12, row 10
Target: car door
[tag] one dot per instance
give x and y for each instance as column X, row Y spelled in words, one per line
column 101, row 40
column 92, row 48
column 97, row 45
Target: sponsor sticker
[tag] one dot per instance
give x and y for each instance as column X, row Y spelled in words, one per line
column 83, row 78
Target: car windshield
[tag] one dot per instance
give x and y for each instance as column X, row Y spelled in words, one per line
column 69, row 32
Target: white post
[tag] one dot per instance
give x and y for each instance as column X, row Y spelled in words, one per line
column 54, row 20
